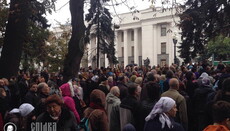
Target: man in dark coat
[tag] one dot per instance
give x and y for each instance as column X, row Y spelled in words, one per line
column 23, row 86
column 131, row 104
column 31, row 96
column 122, row 80
column 200, row 101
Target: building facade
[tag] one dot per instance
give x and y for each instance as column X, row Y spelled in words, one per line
column 145, row 34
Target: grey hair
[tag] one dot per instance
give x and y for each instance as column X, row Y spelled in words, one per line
column 110, row 78
column 41, row 85
column 115, row 90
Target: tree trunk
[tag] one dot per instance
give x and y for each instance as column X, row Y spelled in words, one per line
column 76, row 44
column 14, row 38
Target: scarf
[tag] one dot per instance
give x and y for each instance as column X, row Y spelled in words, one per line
column 164, row 105
column 96, row 106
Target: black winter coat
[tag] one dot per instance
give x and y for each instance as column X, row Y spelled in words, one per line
column 66, row 122
column 155, row 125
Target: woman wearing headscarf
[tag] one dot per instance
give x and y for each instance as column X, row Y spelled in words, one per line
column 161, row 116
column 67, row 94
column 96, row 111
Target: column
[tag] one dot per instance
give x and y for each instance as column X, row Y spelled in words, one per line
column 155, row 43
column 89, row 54
column 106, row 61
column 136, row 52
column 147, row 43
column 125, row 47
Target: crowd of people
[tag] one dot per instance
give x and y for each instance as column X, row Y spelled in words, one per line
column 193, row 97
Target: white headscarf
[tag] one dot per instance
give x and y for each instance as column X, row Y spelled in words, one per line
column 164, row 105
column 204, row 75
column 205, row 79
column 71, row 87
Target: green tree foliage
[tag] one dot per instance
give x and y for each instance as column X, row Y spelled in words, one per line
column 100, row 18
column 23, row 15
column 4, row 9
column 220, row 47
column 57, row 48
column 34, row 50
column 200, row 22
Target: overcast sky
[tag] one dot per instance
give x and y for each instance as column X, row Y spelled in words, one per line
column 62, row 13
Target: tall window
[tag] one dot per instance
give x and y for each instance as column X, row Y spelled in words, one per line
column 132, row 35
column 163, row 48
column 122, row 51
column 163, row 30
column 132, row 48
column 122, row 36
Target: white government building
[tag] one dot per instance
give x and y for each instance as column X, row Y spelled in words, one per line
column 145, row 34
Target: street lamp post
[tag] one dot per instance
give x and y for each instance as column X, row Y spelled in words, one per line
column 175, row 42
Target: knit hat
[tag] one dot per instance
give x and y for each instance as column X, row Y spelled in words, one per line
column 164, row 105
column 25, row 109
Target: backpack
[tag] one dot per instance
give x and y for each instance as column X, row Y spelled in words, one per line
column 84, row 124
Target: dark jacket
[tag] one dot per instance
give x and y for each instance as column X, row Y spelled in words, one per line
column 200, row 102
column 23, row 87
column 166, row 84
column 155, row 125
column 222, row 78
column 14, row 118
column 145, row 108
column 66, row 122
column 103, row 88
column 1, row 123
column 123, row 90
column 40, row 106
column 131, row 103
column 190, row 88
column 3, row 106
column 31, row 98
